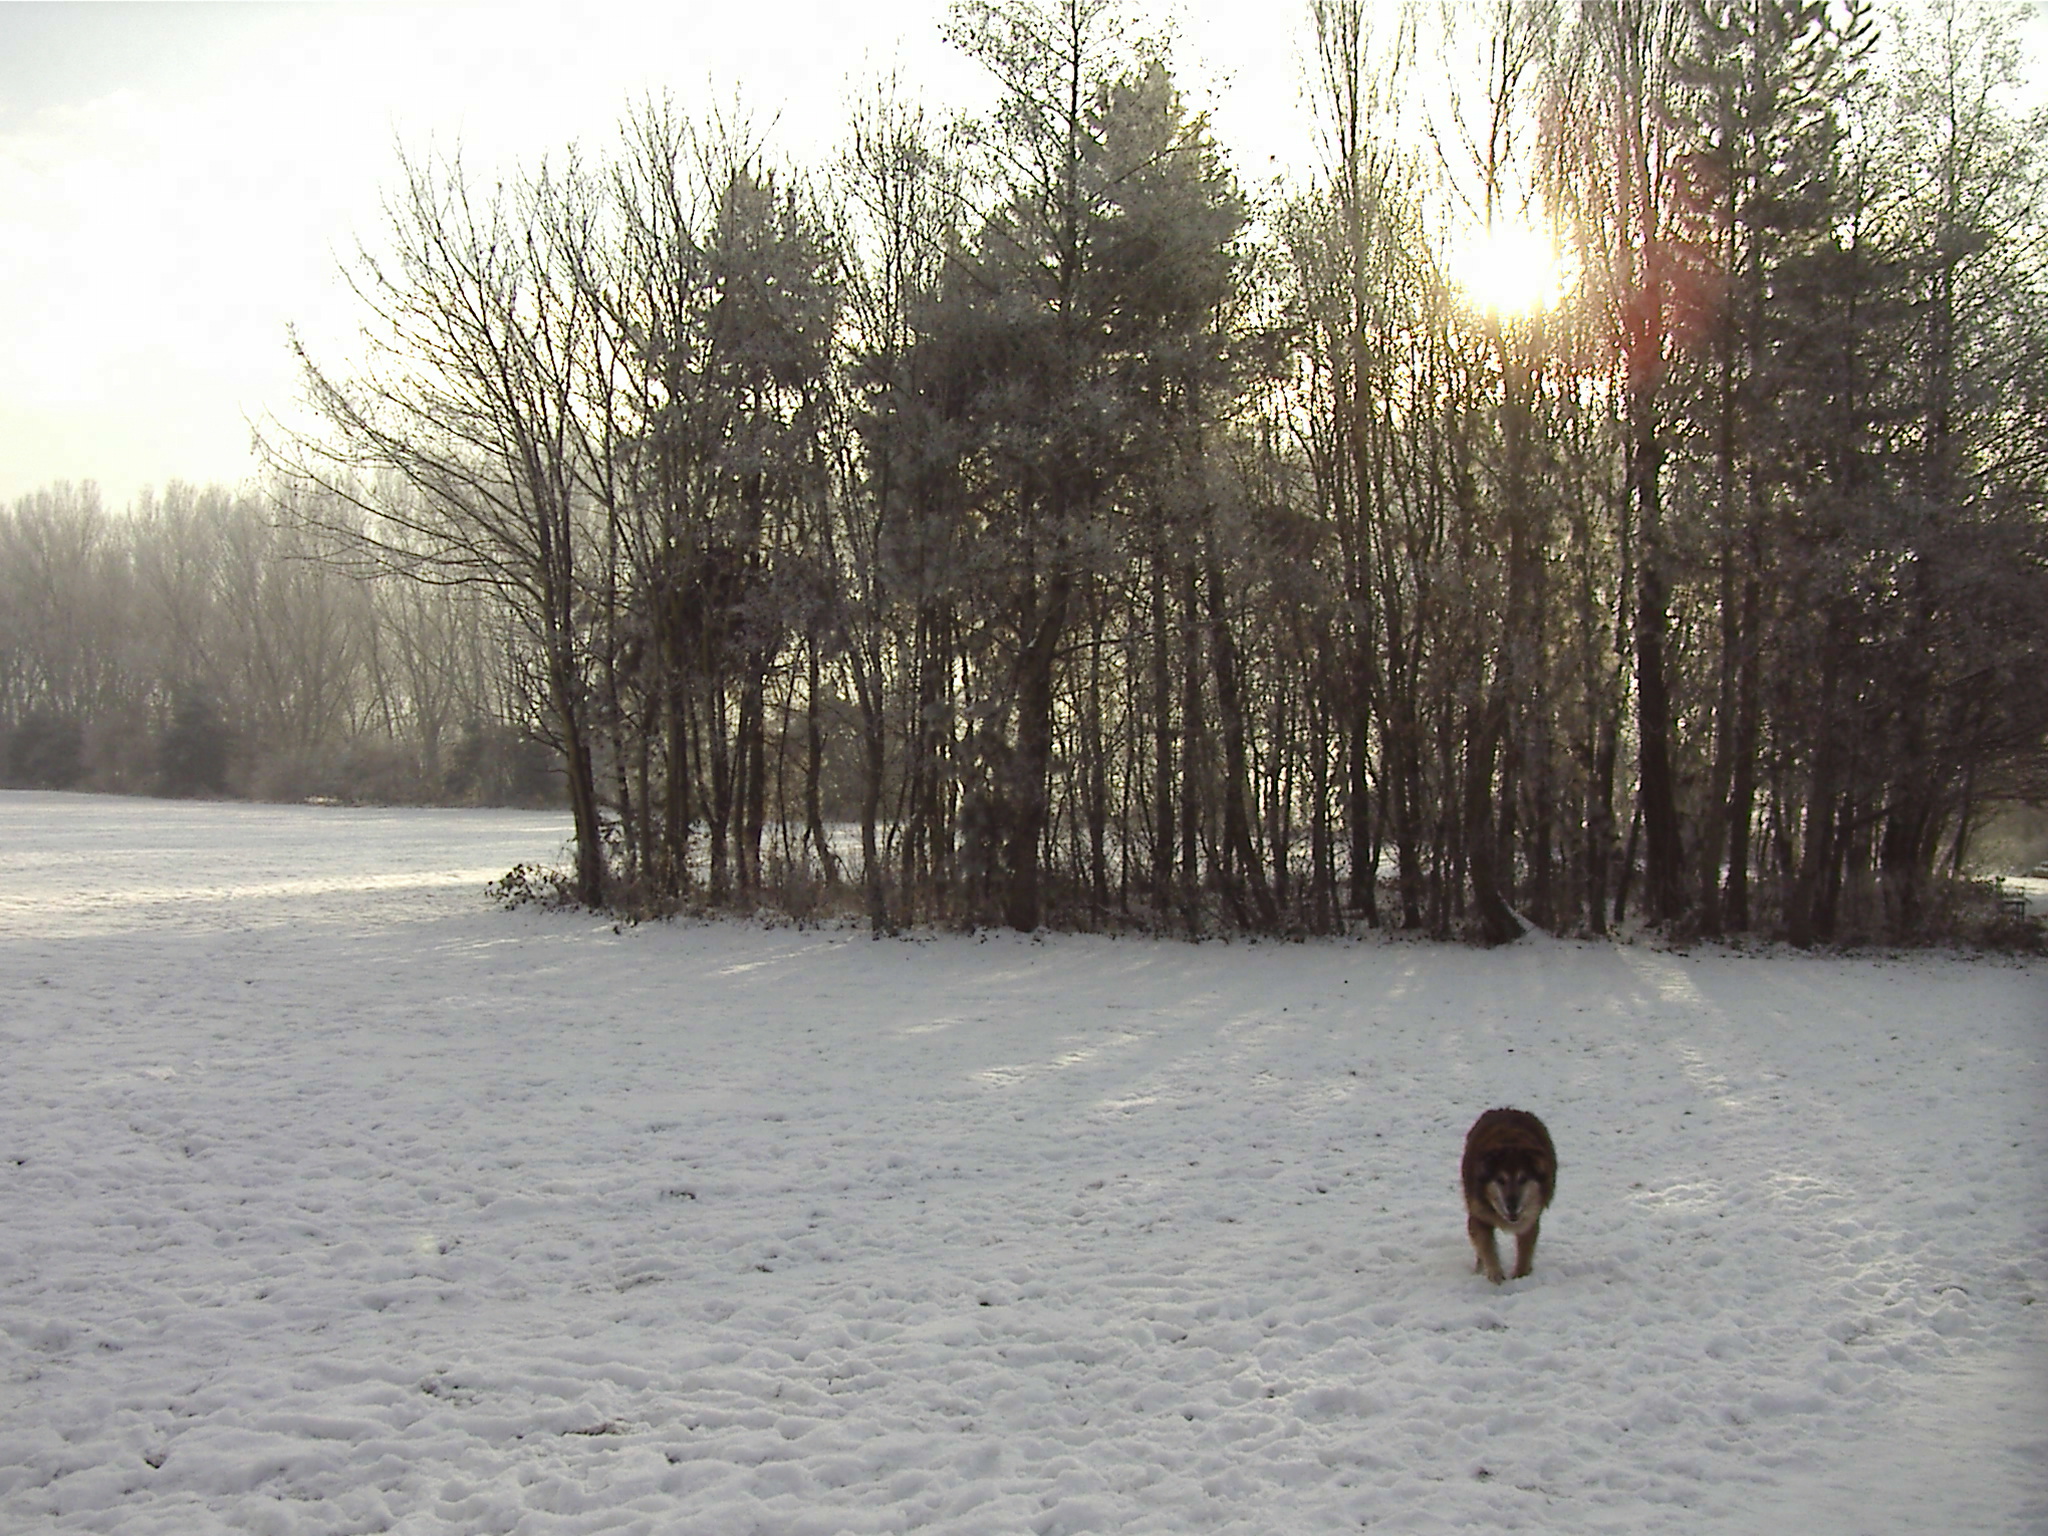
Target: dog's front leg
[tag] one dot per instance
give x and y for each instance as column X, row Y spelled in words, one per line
column 1481, row 1233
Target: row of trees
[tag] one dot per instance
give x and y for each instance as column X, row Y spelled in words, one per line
column 1110, row 548
column 193, row 646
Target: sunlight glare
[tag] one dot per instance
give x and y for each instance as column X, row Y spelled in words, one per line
column 1509, row 270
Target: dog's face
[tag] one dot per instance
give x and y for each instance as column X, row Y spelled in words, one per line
column 1512, row 1186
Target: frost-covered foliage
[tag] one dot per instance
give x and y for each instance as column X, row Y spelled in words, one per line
column 1118, row 554
column 1117, row 549
column 192, row 646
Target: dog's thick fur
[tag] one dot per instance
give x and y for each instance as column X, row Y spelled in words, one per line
column 1510, row 1177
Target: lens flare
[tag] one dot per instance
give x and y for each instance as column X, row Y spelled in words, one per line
column 1509, row 270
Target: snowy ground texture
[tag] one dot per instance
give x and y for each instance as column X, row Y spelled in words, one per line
column 334, row 1200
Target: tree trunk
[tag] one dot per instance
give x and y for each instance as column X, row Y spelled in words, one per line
column 1241, row 867
column 1031, row 763
column 566, row 701
column 1742, row 787
column 814, row 767
column 753, row 756
column 1162, row 745
column 1497, row 923
column 1663, row 868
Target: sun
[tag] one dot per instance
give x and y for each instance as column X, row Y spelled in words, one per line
column 1508, row 270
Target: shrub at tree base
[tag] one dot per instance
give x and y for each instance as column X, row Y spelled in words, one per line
column 46, row 751
column 526, row 885
column 192, row 758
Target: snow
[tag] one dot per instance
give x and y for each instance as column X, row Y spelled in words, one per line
column 336, row 1200
column 2033, row 889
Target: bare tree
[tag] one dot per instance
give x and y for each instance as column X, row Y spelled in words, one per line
column 458, row 434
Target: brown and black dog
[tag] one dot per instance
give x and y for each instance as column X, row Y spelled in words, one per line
column 1510, row 1176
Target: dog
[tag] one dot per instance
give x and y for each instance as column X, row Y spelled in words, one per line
column 1510, row 1178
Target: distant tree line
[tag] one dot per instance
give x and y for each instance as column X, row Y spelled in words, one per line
column 195, row 646
column 1014, row 521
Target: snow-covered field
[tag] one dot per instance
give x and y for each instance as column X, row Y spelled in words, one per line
column 2033, row 888
column 334, row 1200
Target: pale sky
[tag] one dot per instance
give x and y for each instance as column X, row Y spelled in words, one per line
column 178, row 182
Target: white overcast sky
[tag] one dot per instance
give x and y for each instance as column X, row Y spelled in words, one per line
column 178, row 182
